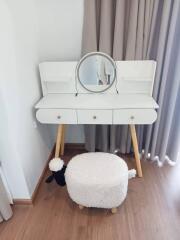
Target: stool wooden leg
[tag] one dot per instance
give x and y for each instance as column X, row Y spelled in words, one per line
column 62, row 141
column 58, row 141
column 114, row 210
column 136, row 150
column 81, row 207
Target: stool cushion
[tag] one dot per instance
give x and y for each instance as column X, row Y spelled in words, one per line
column 97, row 179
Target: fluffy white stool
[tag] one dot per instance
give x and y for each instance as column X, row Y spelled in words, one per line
column 98, row 180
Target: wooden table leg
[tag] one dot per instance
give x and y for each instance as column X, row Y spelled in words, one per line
column 58, row 140
column 136, row 150
column 62, row 141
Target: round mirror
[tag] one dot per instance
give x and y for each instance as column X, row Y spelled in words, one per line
column 96, row 72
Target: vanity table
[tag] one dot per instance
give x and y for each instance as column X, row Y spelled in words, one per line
column 127, row 98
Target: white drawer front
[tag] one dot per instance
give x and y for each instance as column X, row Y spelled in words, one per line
column 57, row 116
column 134, row 116
column 94, row 116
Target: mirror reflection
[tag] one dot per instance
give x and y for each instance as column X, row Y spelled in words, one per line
column 96, row 72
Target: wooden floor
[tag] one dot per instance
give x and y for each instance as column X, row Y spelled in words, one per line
column 151, row 211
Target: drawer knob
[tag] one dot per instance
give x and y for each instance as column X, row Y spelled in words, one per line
column 94, row 117
column 58, row 117
column 132, row 117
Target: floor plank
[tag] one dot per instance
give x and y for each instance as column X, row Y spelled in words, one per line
column 151, row 211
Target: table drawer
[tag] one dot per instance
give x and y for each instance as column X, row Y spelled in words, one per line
column 134, row 116
column 94, row 116
column 57, row 116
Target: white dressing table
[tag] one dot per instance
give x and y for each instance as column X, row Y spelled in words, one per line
column 133, row 104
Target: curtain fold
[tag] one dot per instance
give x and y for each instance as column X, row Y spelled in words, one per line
column 166, row 86
column 5, row 209
column 136, row 30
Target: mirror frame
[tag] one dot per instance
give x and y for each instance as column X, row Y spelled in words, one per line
column 94, row 54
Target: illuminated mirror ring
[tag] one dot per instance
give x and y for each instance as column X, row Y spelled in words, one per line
column 96, row 72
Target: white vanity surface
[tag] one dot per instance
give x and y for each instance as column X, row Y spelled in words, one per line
column 97, row 101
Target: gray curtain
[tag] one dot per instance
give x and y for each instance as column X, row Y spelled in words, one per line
column 5, row 209
column 137, row 30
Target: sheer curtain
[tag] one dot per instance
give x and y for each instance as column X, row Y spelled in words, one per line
column 5, row 209
column 136, row 30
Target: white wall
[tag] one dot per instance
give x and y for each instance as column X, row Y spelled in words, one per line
column 59, row 38
column 21, row 90
column 34, row 143
column 9, row 102
column 33, row 31
column 60, row 29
